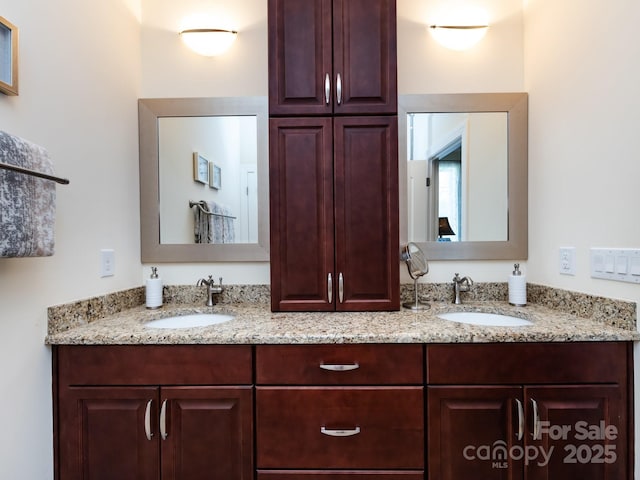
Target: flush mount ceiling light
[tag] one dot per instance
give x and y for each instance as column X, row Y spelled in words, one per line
column 209, row 42
column 458, row 37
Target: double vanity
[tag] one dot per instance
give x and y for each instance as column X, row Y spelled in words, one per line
column 359, row 395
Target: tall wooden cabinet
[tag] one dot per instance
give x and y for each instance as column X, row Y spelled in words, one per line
column 333, row 155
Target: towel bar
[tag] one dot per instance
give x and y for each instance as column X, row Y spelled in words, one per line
column 33, row 173
column 199, row 205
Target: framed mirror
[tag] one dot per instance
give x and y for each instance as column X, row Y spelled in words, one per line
column 463, row 165
column 204, row 191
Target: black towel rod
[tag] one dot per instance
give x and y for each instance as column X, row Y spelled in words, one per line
column 33, row 173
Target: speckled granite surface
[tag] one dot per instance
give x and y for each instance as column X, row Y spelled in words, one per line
column 119, row 319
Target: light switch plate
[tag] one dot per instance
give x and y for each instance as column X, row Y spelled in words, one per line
column 619, row 264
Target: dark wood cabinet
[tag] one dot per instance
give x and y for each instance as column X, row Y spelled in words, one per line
column 332, row 57
column 115, row 426
column 334, row 214
column 545, row 430
column 308, row 417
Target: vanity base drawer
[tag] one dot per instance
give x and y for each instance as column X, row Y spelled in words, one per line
column 339, row 475
column 340, row 428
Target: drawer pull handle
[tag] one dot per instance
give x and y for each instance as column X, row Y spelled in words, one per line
column 327, row 89
column 520, row 420
column 535, row 420
column 339, row 367
column 147, row 421
column 340, row 433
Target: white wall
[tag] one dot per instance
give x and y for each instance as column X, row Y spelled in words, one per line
column 79, row 72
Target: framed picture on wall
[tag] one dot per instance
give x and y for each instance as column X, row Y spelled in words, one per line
column 8, row 57
column 200, row 168
column 215, row 176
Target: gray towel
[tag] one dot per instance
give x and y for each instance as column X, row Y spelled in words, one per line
column 27, row 203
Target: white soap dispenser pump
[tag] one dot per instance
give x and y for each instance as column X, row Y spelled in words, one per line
column 154, row 290
column 517, row 287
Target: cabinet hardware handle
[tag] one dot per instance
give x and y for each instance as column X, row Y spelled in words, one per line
column 327, row 89
column 147, row 420
column 340, row 287
column 330, row 288
column 340, row 433
column 339, row 367
column 520, row 420
column 536, row 420
column 339, row 89
column 163, row 420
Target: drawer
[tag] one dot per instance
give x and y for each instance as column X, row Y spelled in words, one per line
column 528, row 363
column 338, row 475
column 339, row 364
column 340, row 428
column 154, row 364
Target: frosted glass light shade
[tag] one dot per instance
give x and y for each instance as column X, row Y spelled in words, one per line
column 208, row 41
column 458, row 37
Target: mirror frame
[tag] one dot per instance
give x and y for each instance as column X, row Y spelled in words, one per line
column 149, row 111
column 516, row 106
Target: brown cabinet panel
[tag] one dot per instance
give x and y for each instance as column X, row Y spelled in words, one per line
column 383, row 427
column 155, row 364
column 339, row 364
column 209, row 433
column 366, row 212
column 300, row 51
column 584, row 430
column 102, row 434
column 365, row 56
column 523, row 363
column 301, row 196
column 338, row 475
column 329, row 57
column 465, row 424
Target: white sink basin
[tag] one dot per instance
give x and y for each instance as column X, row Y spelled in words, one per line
column 190, row 321
column 487, row 319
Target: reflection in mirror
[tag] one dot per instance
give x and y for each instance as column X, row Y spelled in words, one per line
column 224, row 147
column 204, row 179
column 465, row 171
column 445, row 151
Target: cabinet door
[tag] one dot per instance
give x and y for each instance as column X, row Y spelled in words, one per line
column 300, row 69
column 302, row 228
column 582, row 432
column 364, row 55
column 102, row 433
column 366, row 213
column 470, row 431
column 208, row 433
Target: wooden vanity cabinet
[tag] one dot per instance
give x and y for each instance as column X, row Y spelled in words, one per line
column 332, row 57
column 151, row 412
column 534, row 411
column 334, row 214
column 339, row 411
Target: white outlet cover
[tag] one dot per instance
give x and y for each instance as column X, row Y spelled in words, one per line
column 567, row 264
column 107, row 263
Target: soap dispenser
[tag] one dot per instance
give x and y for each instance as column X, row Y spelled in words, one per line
column 517, row 287
column 154, row 290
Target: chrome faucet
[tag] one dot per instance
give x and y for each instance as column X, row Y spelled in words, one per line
column 460, row 285
column 212, row 288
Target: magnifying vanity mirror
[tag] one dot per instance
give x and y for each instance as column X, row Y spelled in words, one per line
column 464, row 158
column 204, row 190
column 418, row 266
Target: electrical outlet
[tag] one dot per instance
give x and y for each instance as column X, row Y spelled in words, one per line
column 107, row 263
column 568, row 260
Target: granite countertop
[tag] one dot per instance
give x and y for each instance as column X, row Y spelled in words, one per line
column 256, row 324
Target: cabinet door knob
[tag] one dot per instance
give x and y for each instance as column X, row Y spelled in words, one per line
column 339, row 367
column 520, row 419
column 330, row 288
column 163, row 420
column 147, row 421
column 340, row 433
column 339, row 89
